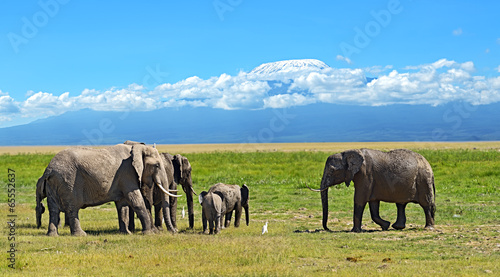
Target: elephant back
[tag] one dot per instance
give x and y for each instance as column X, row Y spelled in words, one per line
column 230, row 194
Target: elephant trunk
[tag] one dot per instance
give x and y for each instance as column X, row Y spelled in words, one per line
column 189, row 198
column 247, row 214
column 165, row 203
column 166, row 215
column 324, row 202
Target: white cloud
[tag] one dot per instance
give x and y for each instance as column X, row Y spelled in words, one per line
column 433, row 84
column 457, row 32
column 7, row 104
column 345, row 59
column 287, row 100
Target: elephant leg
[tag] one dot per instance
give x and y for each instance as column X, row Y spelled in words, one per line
column 228, row 219
column 221, row 222
column 173, row 205
column 123, row 216
column 358, row 216
column 135, row 200
column 54, row 218
column 66, row 219
column 217, row 224
column 131, row 219
column 429, row 216
column 237, row 216
column 74, row 223
column 374, row 212
column 173, row 211
column 211, row 226
column 204, row 222
column 400, row 223
column 158, row 217
column 149, row 206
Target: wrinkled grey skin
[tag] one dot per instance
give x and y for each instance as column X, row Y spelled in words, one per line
column 178, row 170
column 399, row 176
column 213, row 210
column 235, row 199
column 81, row 177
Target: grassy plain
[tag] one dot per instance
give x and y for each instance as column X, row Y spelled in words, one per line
column 466, row 240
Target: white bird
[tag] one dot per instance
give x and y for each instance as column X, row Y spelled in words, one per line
column 183, row 212
column 264, row 228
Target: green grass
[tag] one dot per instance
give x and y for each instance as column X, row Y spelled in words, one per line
column 465, row 242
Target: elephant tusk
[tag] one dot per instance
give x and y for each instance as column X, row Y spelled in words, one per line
column 166, row 192
column 317, row 190
column 194, row 191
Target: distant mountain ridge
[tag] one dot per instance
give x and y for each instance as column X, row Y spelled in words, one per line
column 311, row 123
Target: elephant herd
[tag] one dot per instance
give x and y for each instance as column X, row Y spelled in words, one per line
column 137, row 178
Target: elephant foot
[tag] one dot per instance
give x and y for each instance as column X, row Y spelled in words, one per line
column 429, row 227
column 79, row 233
column 385, row 225
column 356, row 230
column 52, row 234
column 398, row 226
column 125, row 232
column 148, row 232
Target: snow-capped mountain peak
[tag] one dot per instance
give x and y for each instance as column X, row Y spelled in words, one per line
column 290, row 66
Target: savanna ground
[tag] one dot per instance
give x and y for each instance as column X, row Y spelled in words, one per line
column 466, row 240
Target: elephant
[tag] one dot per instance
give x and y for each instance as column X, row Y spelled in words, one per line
column 178, row 171
column 234, row 198
column 399, row 176
column 213, row 210
column 82, row 177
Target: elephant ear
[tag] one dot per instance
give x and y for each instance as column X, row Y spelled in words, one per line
column 137, row 154
column 178, row 159
column 353, row 159
column 202, row 196
column 186, row 164
column 244, row 195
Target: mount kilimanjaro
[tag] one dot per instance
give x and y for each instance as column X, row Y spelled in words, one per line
column 316, row 122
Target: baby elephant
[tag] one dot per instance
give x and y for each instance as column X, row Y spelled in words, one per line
column 213, row 210
column 235, row 199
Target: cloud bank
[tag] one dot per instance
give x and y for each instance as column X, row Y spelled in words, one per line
column 279, row 85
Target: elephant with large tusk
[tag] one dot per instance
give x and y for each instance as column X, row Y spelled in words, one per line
column 399, row 176
column 178, row 170
column 82, row 177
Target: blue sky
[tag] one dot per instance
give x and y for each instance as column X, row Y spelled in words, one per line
column 58, row 56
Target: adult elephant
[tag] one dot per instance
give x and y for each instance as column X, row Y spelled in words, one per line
column 178, row 171
column 234, row 199
column 399, row 176
column 81, row 177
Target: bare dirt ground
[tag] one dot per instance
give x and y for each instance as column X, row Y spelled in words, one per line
column 327, row 146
